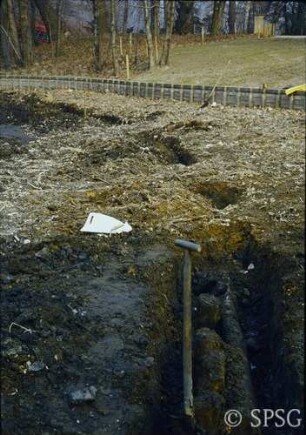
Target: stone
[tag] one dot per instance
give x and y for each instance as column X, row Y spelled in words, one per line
column 210, row 372
column 43, row 254
column 82, row 395
column 83, row 255
column 149, row 361
column 36, row 366
column 209, row 311
column 206, row 340
column 209, row 412
column 252, row 344
column 246, row 292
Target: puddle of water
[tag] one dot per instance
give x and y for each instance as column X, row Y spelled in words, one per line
column 11, row 131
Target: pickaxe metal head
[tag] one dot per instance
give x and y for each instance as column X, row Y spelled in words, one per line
column 187, row 244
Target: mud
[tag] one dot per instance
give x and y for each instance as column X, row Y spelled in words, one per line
column 92, row 326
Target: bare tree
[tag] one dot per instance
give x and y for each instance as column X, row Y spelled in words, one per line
column 232, row 17
column 4, row 36
column 299, row 19
column 219, row 6
column 125, row 15
column 13, row 27
column 59, row 12
column 183, row 22
column 170, row 10
column 113, row 38
column 26, row 37
column 98, row 12
column 147, row 11
column 9, row 36
column 247, row 11
column 156, row 10
column 156, row 24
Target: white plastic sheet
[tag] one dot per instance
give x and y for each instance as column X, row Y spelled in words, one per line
column 101, row 223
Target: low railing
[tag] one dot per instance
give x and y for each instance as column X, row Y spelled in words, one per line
column 224, row 95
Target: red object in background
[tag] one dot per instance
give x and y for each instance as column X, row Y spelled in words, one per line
column 41, row 34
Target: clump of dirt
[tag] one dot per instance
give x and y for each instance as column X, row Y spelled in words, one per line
column 92, row 324
column 167, row 148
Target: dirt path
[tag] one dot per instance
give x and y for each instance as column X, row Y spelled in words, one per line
column 101, row 352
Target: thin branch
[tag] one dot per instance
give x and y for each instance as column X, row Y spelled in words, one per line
column 10, row 41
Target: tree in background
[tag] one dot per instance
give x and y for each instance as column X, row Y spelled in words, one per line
column 98, row 12
column 170, row 11
column 299, row 18
column 247, row 12
column 10, row 46
column 156, row 27
column 183, row 22
column 147, row 11
column 125, row 14
column 232, row 17
column 26, row 36
column 219, row 6
column 4, row 37
column 59, row 13
column 113, row 32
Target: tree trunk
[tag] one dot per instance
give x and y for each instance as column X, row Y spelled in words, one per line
column 4, row 37
column 59, row 11
column 25, row 33
column 98, row 10
column 183, row 23
column 248, row 5
column 125, row 16
column 170, row 6
column 216, row 24
column 298, row 18
column 113, row 38
column 156, row 10
column 149, row 34
column 13, row 28
column 232, row 17
column 33, row 20
column 285, row 16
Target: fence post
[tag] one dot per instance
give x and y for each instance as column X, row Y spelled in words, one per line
column 156, row 49
column 127, row 67
column 120, row 45
column 202, row 35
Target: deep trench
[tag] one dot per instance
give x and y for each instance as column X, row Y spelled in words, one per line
column 249, row 326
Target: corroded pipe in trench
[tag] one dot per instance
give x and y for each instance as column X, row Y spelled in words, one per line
column 187, row 325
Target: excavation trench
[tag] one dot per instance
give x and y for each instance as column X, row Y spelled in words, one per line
column 239, row 359
column 107, row 320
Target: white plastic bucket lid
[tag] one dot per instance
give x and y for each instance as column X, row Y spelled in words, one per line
column 101, row 223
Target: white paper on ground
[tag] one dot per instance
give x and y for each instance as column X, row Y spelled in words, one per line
column 101, row 223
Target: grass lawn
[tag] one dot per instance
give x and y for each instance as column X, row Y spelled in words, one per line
column 240, row 62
